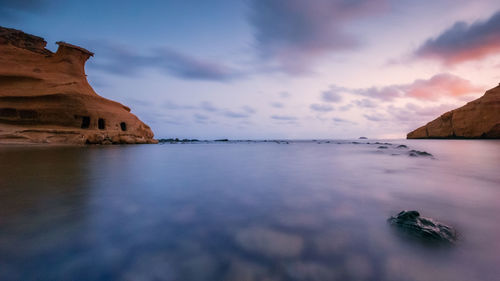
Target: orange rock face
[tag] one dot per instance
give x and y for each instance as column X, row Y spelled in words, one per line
column 45, row 97
column 478, row 119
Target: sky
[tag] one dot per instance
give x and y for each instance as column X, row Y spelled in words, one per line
column 288, row 69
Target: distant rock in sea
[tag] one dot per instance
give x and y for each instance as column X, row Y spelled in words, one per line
column 45, row 97
column 363, row 138
column 478, row 119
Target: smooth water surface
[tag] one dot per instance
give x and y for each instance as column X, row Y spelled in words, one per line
column 246, row 211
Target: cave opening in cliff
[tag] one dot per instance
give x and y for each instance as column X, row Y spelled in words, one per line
column 123, row 126
column 100, row 124
column 85, row 122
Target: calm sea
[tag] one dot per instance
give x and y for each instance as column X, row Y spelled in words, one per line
column 247, row 211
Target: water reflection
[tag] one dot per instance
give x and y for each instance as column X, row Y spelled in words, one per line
column 244, row 211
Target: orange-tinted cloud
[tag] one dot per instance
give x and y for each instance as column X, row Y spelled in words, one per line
column 434, row 88
column 441, row 85
column 463, row 42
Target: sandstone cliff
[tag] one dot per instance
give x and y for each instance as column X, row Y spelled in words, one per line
column 45, row 97
column 477, row 119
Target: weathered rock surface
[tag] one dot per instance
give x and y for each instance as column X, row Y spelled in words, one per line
column 477, row 119
column 410, row 222
column 45, row 97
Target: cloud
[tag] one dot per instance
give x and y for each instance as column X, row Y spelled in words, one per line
column 10, row 8
column 412, row 116
column 366, row 103
column 438, row 86
column 285, row 95
column 321, row 107
column 464, row 42
column 284, row 117
column 200, row 116
column 293, row 33
column 248, row 109
column 246, row 112
column 340, row 120
column 208, row 106
column 346, row 107
column 386, row 93
column 119, row 60
column 232, row 114
column 173, row 106
column 333, row 94
column 375, row 117
column 434, row 88
column 277, row 104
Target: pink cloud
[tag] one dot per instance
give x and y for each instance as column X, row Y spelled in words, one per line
column 463, row 42
column 441, row 85
column 434, row 88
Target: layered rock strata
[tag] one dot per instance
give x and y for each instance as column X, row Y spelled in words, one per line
column 45, row 97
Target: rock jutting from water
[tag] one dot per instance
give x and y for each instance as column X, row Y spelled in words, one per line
column 45, row 97
column 478, row 119
column 425, row 229
column 416, row 153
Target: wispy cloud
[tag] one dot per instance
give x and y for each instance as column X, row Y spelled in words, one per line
column 285, row 95
column 198, row 116
column 233, row 114
column 119, row 60
column 434, row 88
column 244, row 112
column 284, row 117
column 248, row 109
column 277, row 104
column 333, row 94
column 366, row 103
column 464, row 42
column 293, row 33
column 173, row 106
column 375, row 117
column 10, row 8
column 321, row 107
column 208, row 106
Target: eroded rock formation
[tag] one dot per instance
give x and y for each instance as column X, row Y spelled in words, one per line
column 477, row 119
column 45, row 97
column 425, row 229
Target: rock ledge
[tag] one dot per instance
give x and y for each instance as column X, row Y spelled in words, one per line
column 45, row 97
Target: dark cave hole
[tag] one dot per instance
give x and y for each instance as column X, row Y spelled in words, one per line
column 100, row 124
column 85, row 122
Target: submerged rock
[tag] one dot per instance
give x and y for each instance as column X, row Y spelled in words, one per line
column 402, row 146
column 382, row 147
column 416, row 153
column 425, row 229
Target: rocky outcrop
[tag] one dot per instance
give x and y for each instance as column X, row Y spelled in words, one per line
column 45, row 97
column 425, row 229
column 477, row 119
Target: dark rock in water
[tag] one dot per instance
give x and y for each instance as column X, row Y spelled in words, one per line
column 355, row 142
column 382, row 147
column 363, row 138
column 415, row 153
column 222, row 140
column 425, row 229
column 402, row 146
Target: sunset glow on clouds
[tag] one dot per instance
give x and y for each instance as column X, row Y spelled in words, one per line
column 464, row 42
column 278, row 68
